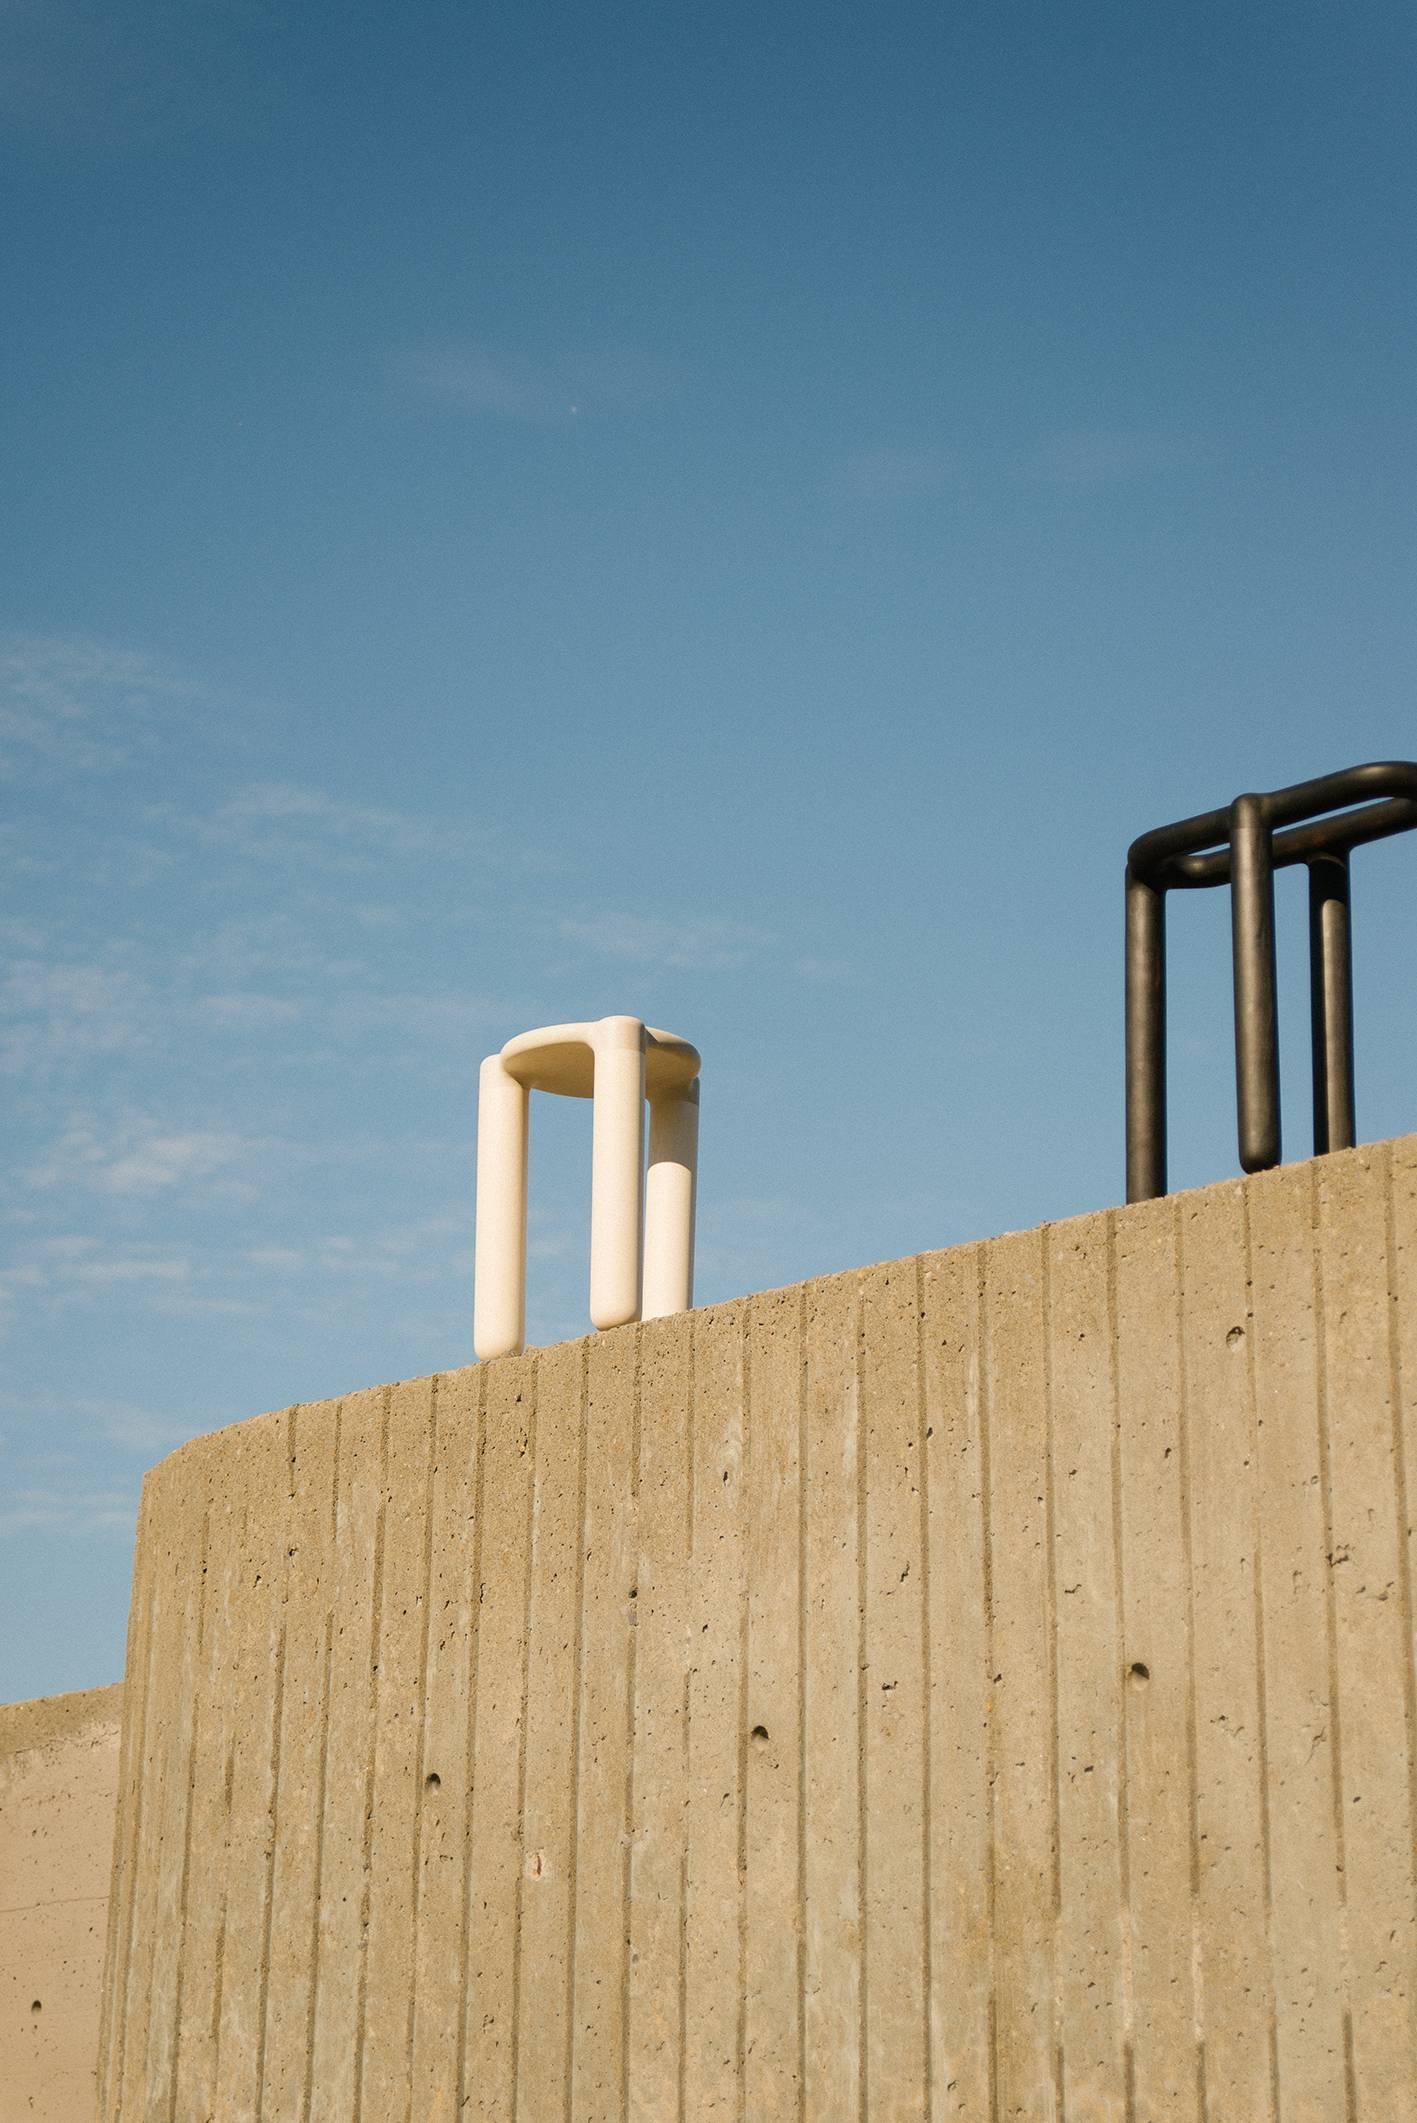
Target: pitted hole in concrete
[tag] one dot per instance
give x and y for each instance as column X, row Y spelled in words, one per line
column 432, row 1782
column 1138, row 1675
column 37, row 2006
column 759, row 1735
column 1234, row 1338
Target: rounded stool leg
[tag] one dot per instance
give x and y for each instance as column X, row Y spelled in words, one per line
column 669, row 1201
column 499, row 1270
column 617, row 1171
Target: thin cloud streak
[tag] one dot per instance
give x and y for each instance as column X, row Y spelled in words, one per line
column 468, row 377
column 63, row 1511
column 75, row 706
column 706, row 946
column 279, row 819
column 889, row 475
column 145, row 1158
column 1092, row 457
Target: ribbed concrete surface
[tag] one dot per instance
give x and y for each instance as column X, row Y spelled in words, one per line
column 977, row 1687
column 58, row 1790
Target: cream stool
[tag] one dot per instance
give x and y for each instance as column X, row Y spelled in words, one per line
column 617, row 1063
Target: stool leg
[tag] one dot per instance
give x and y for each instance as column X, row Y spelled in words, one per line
column 617, row 1171
column 669, row 1201
column 499, row 1271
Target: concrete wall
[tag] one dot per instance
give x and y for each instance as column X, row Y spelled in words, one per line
column 981, row 1686
column 58, row 1790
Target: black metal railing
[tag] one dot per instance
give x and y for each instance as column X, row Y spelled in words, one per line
column 1242, row 846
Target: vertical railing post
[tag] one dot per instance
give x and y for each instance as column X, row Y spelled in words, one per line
column 1331, row 1003
column 1256, row 1009
column 1146, row 1039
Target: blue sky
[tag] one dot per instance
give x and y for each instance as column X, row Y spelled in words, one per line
column 735, row 515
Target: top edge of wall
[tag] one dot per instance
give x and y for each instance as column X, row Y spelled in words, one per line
column 1332, row 1160
column 34, row 1723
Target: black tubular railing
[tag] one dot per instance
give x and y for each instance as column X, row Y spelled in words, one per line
column 1242, row 846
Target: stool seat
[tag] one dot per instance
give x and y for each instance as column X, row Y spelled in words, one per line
column 561, row 1058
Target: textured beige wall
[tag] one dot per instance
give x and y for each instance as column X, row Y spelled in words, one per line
column 58, row 1790
column 981, row 1686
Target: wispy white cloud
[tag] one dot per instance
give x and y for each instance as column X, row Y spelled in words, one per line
column 55, row 1014
column 58, row 1510
column 141, row 1157
column 126, row 1424
column 72, row 1270
column 1086, row 457
column 196, row 1304
column 141, row 1268
column 79, row 706
column 827, row 970
column 469, row 377
column 247, row 1012
column 893, row 475
column 248, row 953
column 703, row 946
column 280, row 1260
column 424, row 1251
column 282, row 822
column 115, row 77
column 424, row 1024
column 25, row 937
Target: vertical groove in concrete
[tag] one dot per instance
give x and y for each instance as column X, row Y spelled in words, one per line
column 1307, row 1970
column 1226, row 1566
column 713, row 1887
column 655, row 2000
column 998, row 1949
column 832, row 1914
column 977, row 1686
column 856, row 1415
column 464, row 1758
column 1092, row 1999
column 425, row 1780
column 927, row 1667
column 771, row 1843
column 298, row 1843
column 1402, row 1269
column 1166, row 2030
column 1264, row 1797
column 632, row 1643
column 961, row 1935
column 353, row 1561
column 310, row 1815
column 133, row 1770
column 1369, row 1627
column 894, row 1719
column 395, row 1786
column 435, row 2003
column 495, row 1770
column 543, row 1974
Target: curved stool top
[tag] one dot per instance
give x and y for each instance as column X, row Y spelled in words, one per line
column 561, row 1058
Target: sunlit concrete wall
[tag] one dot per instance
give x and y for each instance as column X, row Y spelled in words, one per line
column 58, row 1790
column 980, row 1686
